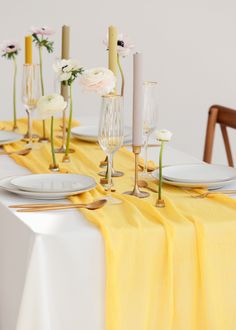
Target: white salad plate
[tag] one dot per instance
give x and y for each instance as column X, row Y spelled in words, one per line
column 7, row 137
column 199, row 173
column 206, row 185
column 5, row 184
column 52, row 183
column 90, row 133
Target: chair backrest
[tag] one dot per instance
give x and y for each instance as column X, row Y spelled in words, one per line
column 225, row 117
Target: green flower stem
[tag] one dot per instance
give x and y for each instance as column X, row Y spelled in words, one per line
column 122, row 76
column 14, row 93
column 52, row 144
column 41, row 68
column 160, row 170
column 42, row 84
column 69, row 124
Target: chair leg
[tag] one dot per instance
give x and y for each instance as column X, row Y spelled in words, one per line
column 210, row 133
column 227, row 145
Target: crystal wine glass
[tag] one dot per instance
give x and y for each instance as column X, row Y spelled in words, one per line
column 111, row 133
column 150, row 117
column 30, row 94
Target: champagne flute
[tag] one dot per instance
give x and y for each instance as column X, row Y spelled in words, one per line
column 111, row 134
column 150, row 117
column 30, row 94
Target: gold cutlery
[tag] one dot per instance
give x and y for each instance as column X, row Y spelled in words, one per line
column 207, row 193
column 150, row 168
column 50, row 207
column 144, row 184
column 22, row 152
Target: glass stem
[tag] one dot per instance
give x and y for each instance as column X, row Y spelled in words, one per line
column 30, row 126
column 52, row 144
column 69, row 124
column 64, row 91
column 160, row 170
column 28, row 123
column 109, row 168
column 14, row 94
column 64, row 129
column 42, row 84
column 122, row 76
column 145, row 153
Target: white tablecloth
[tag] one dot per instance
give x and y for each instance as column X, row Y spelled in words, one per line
column 52, row 266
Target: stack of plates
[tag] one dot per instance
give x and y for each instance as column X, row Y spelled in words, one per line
column 48, row 186
column 90, row 133
column 198, row 175
column 7, row 137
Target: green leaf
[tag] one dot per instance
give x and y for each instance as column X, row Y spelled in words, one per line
column 43, row 43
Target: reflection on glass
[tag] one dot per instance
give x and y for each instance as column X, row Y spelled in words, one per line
column 30, row 93
column 150, row 116
column 111, row 133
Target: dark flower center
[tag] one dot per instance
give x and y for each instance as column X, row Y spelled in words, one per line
column 120, row 43
column 11, row 46
column 65, row 66
column 43, row 29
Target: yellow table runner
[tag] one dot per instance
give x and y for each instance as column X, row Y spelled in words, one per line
column 167, row 269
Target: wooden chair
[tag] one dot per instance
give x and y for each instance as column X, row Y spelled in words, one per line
column 225, row 117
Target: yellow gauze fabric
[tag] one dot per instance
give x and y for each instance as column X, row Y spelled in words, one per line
column 166, row 269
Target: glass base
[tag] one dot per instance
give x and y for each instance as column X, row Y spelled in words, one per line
column 44, row 140
column 114, row 174
column 62, row 150
column 137, row 193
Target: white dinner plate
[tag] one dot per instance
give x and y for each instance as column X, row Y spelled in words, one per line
column 7, row 137
column 90, row 133
column 208, row 185
column 52, row 183
column 48, row 183
column 199, row 173
column 6, row 185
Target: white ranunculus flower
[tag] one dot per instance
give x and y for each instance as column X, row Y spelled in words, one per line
column 63, row 68
column 64, row 76
column 100, row 80
column 50, row 105
column 164, row 135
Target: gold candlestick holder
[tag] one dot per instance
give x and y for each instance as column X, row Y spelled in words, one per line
column 136, row 191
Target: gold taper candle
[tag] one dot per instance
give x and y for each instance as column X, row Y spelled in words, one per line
column 28, row 50
column 65, row 54
column 112, row 46
column 65, row 49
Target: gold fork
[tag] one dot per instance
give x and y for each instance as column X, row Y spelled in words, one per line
column 205, row 194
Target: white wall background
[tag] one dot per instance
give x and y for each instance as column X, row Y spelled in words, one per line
column 189, row 48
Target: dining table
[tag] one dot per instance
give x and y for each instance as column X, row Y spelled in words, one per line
column 52, row 263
